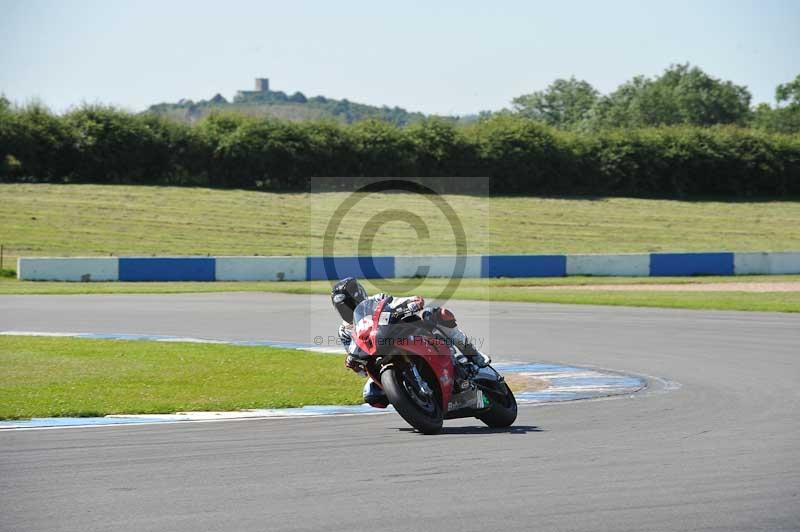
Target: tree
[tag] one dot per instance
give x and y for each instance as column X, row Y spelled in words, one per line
column 565, row 103
column 789, row 92
column 382, row 149
column 41, row 141
column 439, row 147
column 781, row 119
column 681, row 95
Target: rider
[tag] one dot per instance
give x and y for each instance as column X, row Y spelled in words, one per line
column 348, row 293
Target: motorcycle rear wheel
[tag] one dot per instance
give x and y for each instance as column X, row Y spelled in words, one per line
column 430, row 422
column 503, row 410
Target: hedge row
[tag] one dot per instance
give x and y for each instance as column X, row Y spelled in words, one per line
column 105, row 145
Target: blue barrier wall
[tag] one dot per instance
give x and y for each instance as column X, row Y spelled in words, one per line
column 334, row 268
column 166, row 268
column 523, row 266
column 662, row 264
column 313, row 268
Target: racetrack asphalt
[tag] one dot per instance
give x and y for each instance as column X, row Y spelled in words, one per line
column 713, row 444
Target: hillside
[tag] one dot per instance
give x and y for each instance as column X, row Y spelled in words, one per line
column 45, row 219
column 264, row 102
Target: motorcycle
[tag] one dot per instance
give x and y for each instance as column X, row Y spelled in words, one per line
column 415, row 365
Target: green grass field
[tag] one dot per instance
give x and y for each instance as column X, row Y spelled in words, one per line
column 522, row 290
column 97, row 220
column 42, row 377
column 64, row 220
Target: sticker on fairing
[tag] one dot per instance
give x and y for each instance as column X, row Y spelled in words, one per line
column 384, row 319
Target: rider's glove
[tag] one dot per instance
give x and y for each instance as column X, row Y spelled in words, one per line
column 356, row 364
column 407, row 308
column 345, row 334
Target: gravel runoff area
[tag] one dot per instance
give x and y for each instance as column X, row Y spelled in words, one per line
column 683, row 287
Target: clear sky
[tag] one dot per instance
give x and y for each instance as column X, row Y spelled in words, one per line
column 447, row 57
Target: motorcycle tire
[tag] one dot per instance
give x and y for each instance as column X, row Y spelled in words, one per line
column 425, row 422
column 502, row 411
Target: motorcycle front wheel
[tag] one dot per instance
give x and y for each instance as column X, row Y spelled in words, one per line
column 422, row 411
column 502, row 410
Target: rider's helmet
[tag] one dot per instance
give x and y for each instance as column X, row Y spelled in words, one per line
column 346, row 295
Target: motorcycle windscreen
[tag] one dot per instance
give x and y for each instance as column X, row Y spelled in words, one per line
column 365, row 326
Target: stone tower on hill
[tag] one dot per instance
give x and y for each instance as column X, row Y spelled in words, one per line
column 262, row 87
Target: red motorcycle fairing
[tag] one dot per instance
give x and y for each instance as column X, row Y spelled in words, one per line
column 376, row 331
column 437, row 354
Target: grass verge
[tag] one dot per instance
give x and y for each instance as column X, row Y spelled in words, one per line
column 56, row 377
column 743, row 301
column 468, row 288
column 483, row 289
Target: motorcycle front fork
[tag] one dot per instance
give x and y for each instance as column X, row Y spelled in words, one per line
column 463, row 374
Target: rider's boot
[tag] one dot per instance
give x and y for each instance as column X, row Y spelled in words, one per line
column 374, row 395
column 474, row 356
